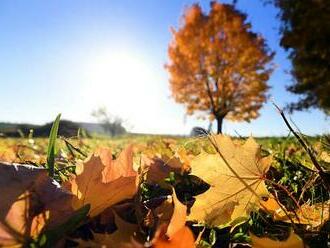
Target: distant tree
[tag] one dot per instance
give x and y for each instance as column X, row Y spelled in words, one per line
column 306, row 35
column 198, row 132
column 218, row 66
column 112, row 125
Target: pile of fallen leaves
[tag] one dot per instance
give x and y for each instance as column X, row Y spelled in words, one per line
column 146, row 197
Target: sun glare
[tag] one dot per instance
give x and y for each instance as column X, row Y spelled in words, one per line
column 120, row 81
column 117, row 68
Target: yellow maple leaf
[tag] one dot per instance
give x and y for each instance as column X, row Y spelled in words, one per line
column 235, row 175
column 294, row 241
column 103, row 182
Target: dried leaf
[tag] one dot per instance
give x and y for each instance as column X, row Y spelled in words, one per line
column 294, row 241
column 123, row 235
column 8, row 155
column 164, row 212
column 179, row 160
column 156, row 169
column 178, row 219
column 173, row 214
column 314, row 215
column 156, row 165
column 235, row 179
column 103, row 185
column 120, row 238
column 325, row 156
column 183, row 238
column 30, row 202
column 273, row 207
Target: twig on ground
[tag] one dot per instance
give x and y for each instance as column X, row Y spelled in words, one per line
column 311, row 153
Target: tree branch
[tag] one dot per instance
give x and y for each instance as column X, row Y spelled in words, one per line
column 324, row 176
column 208, row 89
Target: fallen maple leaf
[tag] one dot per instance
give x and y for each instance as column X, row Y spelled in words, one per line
column 8, row 155
column 157, row 168
column 313, row 215
column 182, row 238
column 169, row 233
column 272, row 206
column 103, row 182
column 30, row 202
column 294, row 241
column 236, row 178
column 124, row 234
column 171, row 213
column 120, row 238
column 179, row 160
column 178, row 219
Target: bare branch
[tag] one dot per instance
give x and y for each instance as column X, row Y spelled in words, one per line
column 324, row 176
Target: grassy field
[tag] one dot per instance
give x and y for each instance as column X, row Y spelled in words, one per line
column 35, row 149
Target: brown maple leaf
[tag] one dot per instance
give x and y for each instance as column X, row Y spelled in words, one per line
column 30, row 202
column 157, row 168
column 103, row 182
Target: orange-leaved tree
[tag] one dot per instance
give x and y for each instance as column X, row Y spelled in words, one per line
column 218, row 66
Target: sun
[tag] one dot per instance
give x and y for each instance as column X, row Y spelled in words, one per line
column 126, row 83
column 117, row 74
column 117, row 69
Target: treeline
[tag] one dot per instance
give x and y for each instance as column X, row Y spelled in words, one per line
column 66, row 129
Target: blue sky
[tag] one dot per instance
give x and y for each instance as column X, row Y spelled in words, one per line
column 71, row 57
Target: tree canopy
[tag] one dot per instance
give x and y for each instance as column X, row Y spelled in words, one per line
column 306, row 35
column 218, row 67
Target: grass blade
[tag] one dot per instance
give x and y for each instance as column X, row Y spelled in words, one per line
column 51, row 150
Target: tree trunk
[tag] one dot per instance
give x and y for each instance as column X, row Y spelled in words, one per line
column 219, row 122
